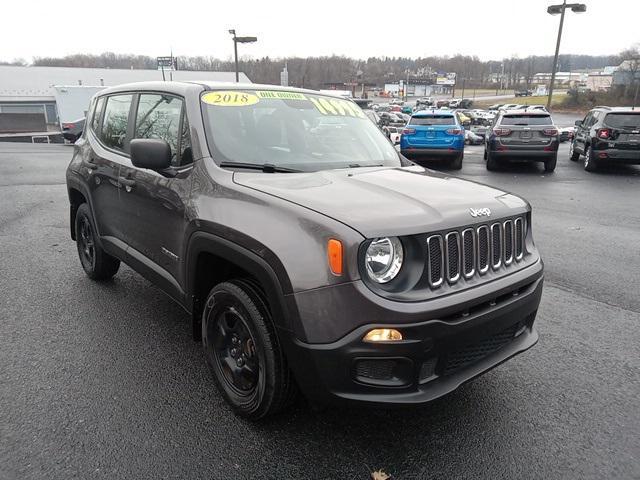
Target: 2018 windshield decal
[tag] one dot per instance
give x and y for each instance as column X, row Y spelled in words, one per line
column 230, row 99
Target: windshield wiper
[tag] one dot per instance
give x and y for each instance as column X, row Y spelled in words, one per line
column 265, row 167
column 357, row 165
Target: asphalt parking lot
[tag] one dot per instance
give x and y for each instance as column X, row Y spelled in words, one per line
column 104, row 381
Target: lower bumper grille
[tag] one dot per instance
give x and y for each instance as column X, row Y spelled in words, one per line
column 473, row 353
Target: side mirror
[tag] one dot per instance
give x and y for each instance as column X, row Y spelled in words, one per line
column 150, row 153
column 578, row 123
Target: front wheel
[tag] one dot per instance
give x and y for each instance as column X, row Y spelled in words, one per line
column 97, row 264
column 243, row 352
column 573, row 155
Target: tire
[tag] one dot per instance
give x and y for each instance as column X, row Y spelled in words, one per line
column 590, row 163
column 243, row 351
column 550, row 165
column 456, row 162
column 97, row 264
column 492, row 163
column 484, row 155
column 573, row 155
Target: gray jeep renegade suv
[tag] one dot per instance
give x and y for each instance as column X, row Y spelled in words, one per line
column 309, row 254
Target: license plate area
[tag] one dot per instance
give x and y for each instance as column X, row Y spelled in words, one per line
column 525, row 135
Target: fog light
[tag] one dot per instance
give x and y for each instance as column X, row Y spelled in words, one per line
column 383, row 335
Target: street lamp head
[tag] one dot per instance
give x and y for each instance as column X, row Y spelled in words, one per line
column 246, row 39
column 232, row 31
column 555, row 9
column 579, row 8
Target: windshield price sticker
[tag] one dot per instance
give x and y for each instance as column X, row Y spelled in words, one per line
column 280, row 95
column 230, row 99
column 336, row 106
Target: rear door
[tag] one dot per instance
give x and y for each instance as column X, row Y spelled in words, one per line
column 582, row 132
column 155, row 201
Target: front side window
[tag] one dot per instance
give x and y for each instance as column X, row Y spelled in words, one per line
column 299, row 131
column 114, row 125
column 159, row 117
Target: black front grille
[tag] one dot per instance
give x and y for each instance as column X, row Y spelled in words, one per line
column 375, row 369
column 459, row 255
column 477, row 351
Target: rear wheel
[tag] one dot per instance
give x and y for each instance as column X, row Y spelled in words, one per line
column 590, row 164
column 243, row 351
column 97, row 264
column 550, row 165
column 492, row 163
column 456, row 162
column 573, row 155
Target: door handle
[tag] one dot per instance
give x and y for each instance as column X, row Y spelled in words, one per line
column 89, row 164
column 127, row 182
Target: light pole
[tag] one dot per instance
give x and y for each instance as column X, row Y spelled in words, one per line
column 555, row 10
column 236, row 41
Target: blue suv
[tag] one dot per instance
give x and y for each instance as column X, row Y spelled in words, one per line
column 434, row 133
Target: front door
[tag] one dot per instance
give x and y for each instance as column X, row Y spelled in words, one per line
column 154, row 202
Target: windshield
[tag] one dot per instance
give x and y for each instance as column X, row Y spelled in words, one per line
column 623, row 120
column 526, row 120
column 433, row 120
column 300, row 131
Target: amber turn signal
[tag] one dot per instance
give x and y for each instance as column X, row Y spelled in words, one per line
column 383, row 335
column 334, row 253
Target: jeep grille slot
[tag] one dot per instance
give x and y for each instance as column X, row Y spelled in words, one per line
column 519, row 238
column 483, row 249
column 452, row 258
column 496, row 246
column 468, row 253
column 508, row 242
column 465, row 253
column 435, row 262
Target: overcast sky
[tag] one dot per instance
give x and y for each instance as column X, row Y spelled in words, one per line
column 491, row 29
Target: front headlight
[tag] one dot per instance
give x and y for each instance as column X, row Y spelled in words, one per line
column 383, row 259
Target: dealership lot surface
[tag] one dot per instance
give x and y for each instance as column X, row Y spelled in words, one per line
column 104, row 381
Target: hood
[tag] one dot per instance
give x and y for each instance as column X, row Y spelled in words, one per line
column 387, row 201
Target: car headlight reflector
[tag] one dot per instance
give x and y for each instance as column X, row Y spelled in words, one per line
column 383, row 259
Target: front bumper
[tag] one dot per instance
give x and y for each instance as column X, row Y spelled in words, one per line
column 435, row 356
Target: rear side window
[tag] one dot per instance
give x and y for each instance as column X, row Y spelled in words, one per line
column 97, row 115
column 622, row 120
column 526, row 120
column 159, row 117
column 116, row 118
column 433, row 120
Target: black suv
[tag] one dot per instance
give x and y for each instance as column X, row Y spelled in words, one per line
column 607, row 135
column 528, row 136
column 309, row 254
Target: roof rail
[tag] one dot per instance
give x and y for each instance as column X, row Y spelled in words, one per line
column 602, row 106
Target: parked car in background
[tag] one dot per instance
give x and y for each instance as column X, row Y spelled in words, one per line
column 434, row 134
column 522, row 136
column 566, row 134
column 390, row 118
column 393, row 133
column 509, row 106
column 71, row 131
column 523, row 93
column 407, row 110
column 495, row 106
column 397, row 101
column 464, row 120
column 471, row 138
column 607, row 135
column 425, row 101
column 455, row 103
column 465, row 103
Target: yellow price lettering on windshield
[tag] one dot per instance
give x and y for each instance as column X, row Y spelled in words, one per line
column 280, row 95
column 230, row 99
column 337, row 106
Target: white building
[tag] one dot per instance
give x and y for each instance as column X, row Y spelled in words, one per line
column 61, row 94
